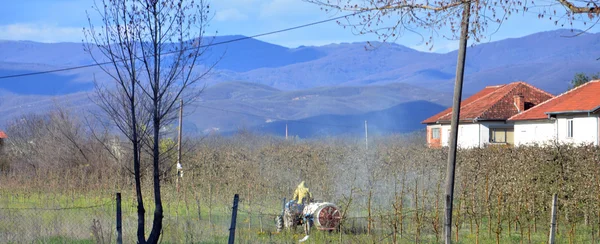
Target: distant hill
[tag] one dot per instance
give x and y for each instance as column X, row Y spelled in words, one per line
column 234, row 105
column 402, row 118
column 43, row 84
column 230, row 106
column 546, row 59
column 250, row 54
column 256, row 83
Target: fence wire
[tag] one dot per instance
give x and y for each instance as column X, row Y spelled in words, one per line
column 35, row 219
column 24, row 222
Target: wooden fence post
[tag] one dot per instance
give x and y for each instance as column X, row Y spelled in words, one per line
column 119, row 220
column 553, row 220
column 236, row 198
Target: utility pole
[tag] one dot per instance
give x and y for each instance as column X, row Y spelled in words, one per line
column 179, row 167
column 451, row 168
column 366, row 136
column 286, row 130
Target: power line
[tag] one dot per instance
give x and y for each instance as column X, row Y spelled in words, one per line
column 172, row 52
column 230, row 41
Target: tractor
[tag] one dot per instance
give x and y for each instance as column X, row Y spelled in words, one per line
column 323, row 215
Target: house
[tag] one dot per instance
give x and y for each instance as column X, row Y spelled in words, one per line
column 2, row 138
column 571, row 117
column 483, row 116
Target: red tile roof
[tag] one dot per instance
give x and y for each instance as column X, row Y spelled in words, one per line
column 493, row 103
column 584, row 98
column 3, row 135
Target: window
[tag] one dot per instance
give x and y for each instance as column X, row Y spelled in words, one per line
column 498, row 135
column 435, row 133
column 501, row 135
column 569, row 128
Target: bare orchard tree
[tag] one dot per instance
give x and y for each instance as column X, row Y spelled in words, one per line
column 389, row 19
column 151, row 50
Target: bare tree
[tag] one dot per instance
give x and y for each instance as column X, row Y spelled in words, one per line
column 153, row 48
column 56, row 139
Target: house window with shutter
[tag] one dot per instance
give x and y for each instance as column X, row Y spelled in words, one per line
column 502, row 135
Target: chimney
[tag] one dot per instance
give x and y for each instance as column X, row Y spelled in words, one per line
column 519, row 103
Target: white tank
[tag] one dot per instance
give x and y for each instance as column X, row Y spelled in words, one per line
column 326, row 215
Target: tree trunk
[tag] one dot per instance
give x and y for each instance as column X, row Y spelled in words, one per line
column 158, row 211
column 141, row 212
column 156, row 122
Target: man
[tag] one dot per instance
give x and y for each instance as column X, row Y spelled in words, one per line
column 302, row 194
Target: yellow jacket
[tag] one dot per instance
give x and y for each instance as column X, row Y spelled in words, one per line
column 302, row 194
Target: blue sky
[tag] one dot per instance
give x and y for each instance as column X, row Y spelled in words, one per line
column 63, row 20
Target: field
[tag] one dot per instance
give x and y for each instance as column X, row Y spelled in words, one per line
column 390, row 193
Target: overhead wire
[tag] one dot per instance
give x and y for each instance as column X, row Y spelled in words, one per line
column 221, row 43
column 206, row 46
column 228, row 41
column 201, row 46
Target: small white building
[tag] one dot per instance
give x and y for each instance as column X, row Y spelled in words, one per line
column 572, row 117
column 483, row 116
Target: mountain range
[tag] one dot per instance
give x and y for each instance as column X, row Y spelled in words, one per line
column 261, row 86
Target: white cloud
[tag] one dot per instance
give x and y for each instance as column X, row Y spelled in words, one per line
column 230, row 14
column 287, row 8
column 41, row 33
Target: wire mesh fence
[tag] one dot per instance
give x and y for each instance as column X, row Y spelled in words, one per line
column 28, row 220
column 48, row 218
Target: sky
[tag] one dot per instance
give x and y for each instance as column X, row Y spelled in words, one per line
column 63, row 21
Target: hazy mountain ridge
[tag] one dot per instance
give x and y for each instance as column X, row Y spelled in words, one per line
column 230, row 106
column 274, row 83
column 349, row 64
column 402, row 118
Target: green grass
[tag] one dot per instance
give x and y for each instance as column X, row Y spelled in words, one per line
column 38, row 217
column 61, row 240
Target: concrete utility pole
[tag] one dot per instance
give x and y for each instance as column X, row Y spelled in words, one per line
column 451, row 168
column 286, row 130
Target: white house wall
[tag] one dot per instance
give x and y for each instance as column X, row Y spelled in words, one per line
column 471, row 135
column 534, row 132
column 484, row 134
column 468, row 135
column 585, row 129
column 445, row 135
column 541, row 132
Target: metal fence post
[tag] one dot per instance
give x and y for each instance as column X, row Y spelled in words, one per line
column 236, row 198
column 119, row 220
